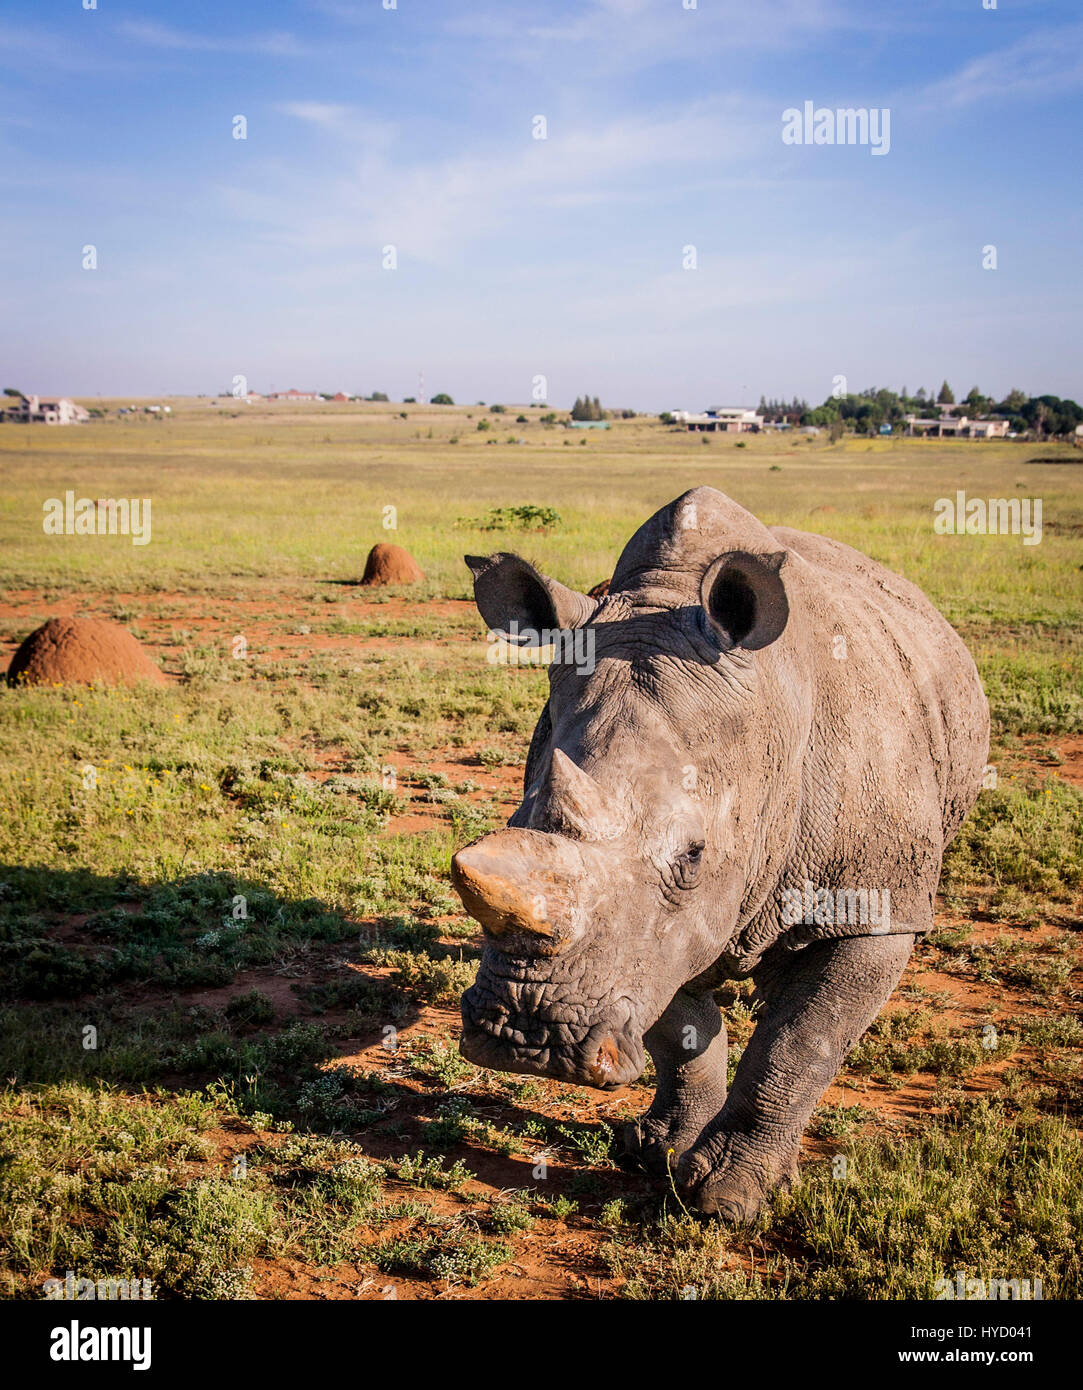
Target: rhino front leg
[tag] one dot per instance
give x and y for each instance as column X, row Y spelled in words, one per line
column 819, row 1001
column 688, row 1048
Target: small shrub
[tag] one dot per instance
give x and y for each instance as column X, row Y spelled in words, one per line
column 455, row 1256
column 507, row 1217
column 250, row 1010
column 425, row 1172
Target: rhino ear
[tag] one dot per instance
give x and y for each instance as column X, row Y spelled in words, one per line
column 516, row 600
column 744, row 599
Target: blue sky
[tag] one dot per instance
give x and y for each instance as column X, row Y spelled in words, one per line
column 520, row 257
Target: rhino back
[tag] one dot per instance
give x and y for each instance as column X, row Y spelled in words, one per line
column 898, row 738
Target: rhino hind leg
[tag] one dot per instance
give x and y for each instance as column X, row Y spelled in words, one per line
column 816, row 1010
column 688, row 1048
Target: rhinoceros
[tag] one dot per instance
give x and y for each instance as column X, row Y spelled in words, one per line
column 755, row 776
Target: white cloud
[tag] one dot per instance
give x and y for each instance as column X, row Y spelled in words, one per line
column 33, row 51
column 1044, row 64
column 278, row 44
column 433, row 210
column 636, row 33
column 350, row 124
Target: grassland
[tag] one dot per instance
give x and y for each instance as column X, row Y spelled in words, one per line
column 251, row 915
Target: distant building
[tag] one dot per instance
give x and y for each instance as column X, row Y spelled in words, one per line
column 51, row 410
column 340, row 396
column 731, row 419
column 951, row 426
column 292, row 395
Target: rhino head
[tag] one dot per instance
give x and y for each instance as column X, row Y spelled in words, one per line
column 653, row 796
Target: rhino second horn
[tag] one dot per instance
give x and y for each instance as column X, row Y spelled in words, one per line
column 578, row 802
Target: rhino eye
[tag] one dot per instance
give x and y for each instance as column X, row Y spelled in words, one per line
column 686, row 868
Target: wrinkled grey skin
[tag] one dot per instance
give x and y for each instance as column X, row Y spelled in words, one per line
column 767, row 708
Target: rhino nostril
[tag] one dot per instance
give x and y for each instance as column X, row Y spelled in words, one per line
column 606, row 1061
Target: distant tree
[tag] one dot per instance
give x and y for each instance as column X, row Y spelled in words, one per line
column 12, row 391
column 946, row 395
column 1049, row 415
column 974, row 396
column 442, row 398
column 1014, row 401
column 379, row 396
column 823, row 415
column 499, row 409
column 587, row 408
column 409, row 400
column 666, row 417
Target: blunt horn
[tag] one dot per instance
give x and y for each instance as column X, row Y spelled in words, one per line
column 520, row 881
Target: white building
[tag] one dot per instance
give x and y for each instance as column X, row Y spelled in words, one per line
column 53, row 410
column 957, row 427
column 731, row 419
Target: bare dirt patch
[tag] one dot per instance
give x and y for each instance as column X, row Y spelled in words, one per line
column 276, row 623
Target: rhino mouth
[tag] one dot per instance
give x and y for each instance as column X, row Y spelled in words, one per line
column 516, row 1022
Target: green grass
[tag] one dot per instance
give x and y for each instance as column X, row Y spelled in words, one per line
column 98, row 1182
column 1023, row 842
column 981, row 1190
column 252, row 494
column 1035, row 691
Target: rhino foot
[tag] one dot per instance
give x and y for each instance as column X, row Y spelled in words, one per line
column 655, row 1146
column 718, row 1179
